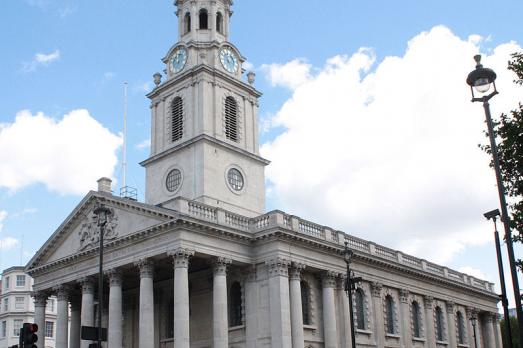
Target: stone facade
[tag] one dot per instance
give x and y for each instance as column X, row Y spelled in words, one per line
column 200, row 264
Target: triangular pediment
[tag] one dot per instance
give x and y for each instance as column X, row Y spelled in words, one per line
column 80, row 232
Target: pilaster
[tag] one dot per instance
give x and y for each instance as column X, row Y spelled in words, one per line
column 406, row 332
column 328, row 282
column 452, row 337
column 296, row 304
column 428, row 302
column 379, row 325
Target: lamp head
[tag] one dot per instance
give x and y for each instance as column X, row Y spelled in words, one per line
column 492, row 214
column 102, row 212
column 348, row 254
column 482, row 80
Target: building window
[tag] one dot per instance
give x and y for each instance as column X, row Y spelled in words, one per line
column 176, row 119
column 6, row 283
column 49, row 329
column 20, row 303
column 439, row 324
column 187, row 23
column 50, row 305
column 6, row 304
column 235, row 307
column 306, row 303
column 173, row 180
column 360, row 309
column 20, row 280
column 204, row 19
column 17, row 325
column 416, row 319
column 219, row 22
column 461, row 328
column 3, row 329
column 389, row 314
column 231, row 119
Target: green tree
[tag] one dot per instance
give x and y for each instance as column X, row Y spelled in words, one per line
column 509, row 134
column 514, row 329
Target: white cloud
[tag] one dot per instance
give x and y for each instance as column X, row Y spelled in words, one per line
column 290, row 75
column 3, row 215
column 40, row 59
column 144, row 144
column 8, row 243
column 473, row 272
column 248, row 66
column 388, row 151
column 66, row 155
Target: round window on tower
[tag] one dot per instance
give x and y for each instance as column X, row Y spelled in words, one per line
column 235, row 180
column 173, row 180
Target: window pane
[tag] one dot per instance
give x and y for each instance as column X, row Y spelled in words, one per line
column 360, row 309
column 17, row 325
column 20, row 280
column 390, row 314
column 416, row 319
column 49, row 329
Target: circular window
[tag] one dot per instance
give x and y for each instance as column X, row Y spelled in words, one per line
column 235, row 179
column 173, row 181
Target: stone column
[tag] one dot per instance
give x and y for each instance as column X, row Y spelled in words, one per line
column 296, row 305
column 75, row 325
column 146, row 312
column 429, row 321
column 279, row 305
column 40, row 300
column 115, row 332
column 251, row 308
column 379, row 325
column 87, row 316
column 490, row 330
column 345, row 312
column 451, row 320
column 62, row 320
column 220, row 324
column 406, row 332
column 497, row 329
column 181, row 296
column 328, row 282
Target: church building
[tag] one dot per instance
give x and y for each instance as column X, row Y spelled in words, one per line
column 201, row 264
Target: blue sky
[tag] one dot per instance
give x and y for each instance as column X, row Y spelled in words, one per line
column 59, row 56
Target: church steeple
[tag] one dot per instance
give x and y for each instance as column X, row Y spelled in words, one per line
column 204, row 139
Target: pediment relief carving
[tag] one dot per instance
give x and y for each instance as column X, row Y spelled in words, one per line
column 90, row 231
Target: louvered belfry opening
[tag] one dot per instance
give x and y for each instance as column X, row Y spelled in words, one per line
column 177, row 119
column 231, row 119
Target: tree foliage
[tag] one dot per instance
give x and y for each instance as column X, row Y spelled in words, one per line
column 514, row 329
column 509, row 134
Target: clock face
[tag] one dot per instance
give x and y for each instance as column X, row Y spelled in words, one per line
column 229, row 60
column 178, row 60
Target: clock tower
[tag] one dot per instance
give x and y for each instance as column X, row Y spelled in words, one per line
column 204, row 118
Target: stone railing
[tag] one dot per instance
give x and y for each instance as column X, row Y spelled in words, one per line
column 278, row 219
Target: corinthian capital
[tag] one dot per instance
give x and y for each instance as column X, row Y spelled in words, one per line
column 181, row 257
column 376, row 289
column 328, row 279
column 40, row 298
column 220, row 264
column 296, row 270
column 146, row 268
column 278, row 267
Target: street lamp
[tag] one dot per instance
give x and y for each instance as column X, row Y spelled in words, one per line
column 102, row 214
column 493, row 215
column 483, row 87
column 474, row 321
column 350, row 285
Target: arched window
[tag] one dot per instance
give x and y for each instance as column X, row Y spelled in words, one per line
column 306, row 303
column 204, row 19
column 231, row 119
column 461, row 328
column 416, row 320
column 439, row 324
column 360, row 309
column 176, row 119
column 187, row 23
column 219, row 22
column 235, row 305
column 389, row 313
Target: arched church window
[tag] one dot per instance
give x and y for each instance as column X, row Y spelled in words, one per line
column 219, row 22
column 204, row 19
column 306, row 303
column 461, row 327
column 187, row 23
column 231, row 119
column 439, row 324
column 177, row 119
column 235, row 305
column 389, row 313
column 360, row 309
column 416, row 319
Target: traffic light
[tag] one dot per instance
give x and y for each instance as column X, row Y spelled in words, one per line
column 28, row 336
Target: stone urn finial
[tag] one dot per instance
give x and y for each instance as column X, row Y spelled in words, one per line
column 157, row 79
column 251, row 77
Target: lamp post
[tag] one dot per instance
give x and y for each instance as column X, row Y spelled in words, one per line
column 349, row 287
column 474, row 321
column 102, row 213
column 493, row 215
column 482, row 82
